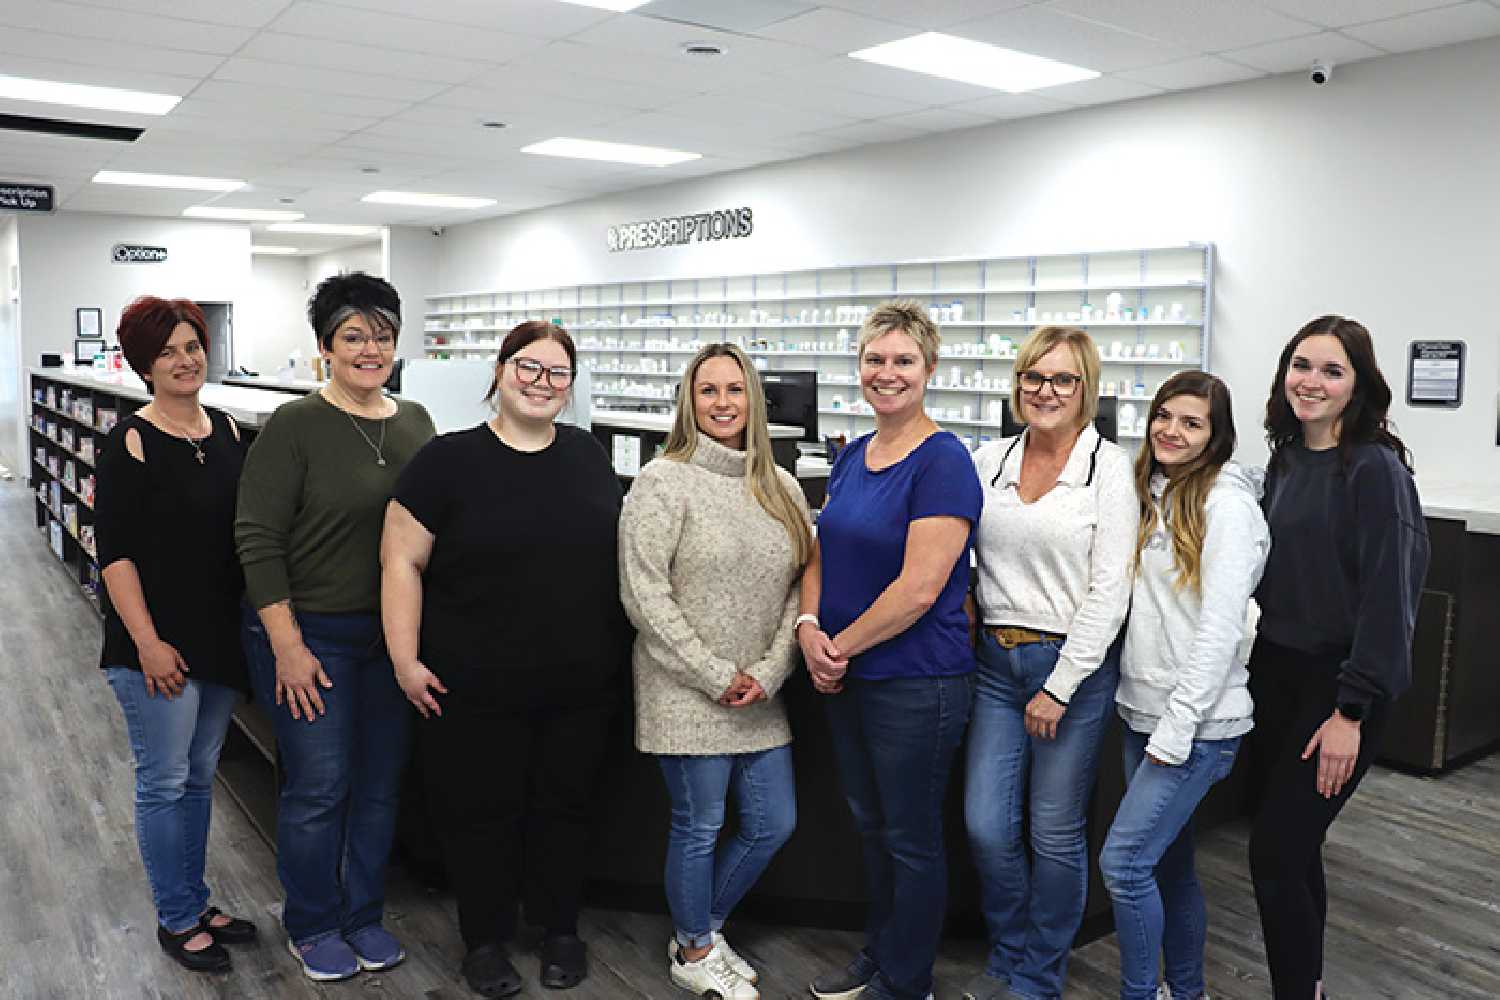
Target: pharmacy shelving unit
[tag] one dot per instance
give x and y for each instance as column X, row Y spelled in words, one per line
column 71, row 414
column 1149, row 309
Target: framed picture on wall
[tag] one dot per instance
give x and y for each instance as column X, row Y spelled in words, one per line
column 90, row 324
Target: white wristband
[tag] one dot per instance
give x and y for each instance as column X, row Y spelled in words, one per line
column 804, row 620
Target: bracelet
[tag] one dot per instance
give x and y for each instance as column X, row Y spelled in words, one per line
column 804, row 620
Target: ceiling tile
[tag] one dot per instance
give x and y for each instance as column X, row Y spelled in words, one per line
column 748, row 16
column 939, row 120
column 281, row 99
column 666, row 38
column 323, row 53
column 671, row 70
column 296, row 115
column 1340, row 13
column 527, row 80
column 1300, row 53
column 836, row 31
column 308, row 78
column 792, row 89
column 132, row 201
column 1185, row 74
column 1042, row 31
column 1209, row 25
column 926, row 14
column 393, row 31
column 1003, row 106
column 244, row 13
column 1461, row 23
column 873, row 132
column 526, row 111
column 756, row 115
column 885, row 81
column 123, row 27
column 1100, row 90
column 531, row 18
column 98, row 52
column 159, row 82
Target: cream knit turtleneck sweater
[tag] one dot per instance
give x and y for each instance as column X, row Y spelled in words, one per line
column 708, row 579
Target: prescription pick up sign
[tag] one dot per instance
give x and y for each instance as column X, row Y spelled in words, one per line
column 679, row 230
column 18, row 196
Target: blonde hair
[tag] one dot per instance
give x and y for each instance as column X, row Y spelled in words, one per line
column 766, row 485
column 906, row 316
column 1036, row 346
column 1185, row 500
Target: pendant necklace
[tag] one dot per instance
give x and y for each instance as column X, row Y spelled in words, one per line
column 378, row 449
column 197, row 443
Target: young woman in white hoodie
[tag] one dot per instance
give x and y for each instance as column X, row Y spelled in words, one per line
column 1183, row 692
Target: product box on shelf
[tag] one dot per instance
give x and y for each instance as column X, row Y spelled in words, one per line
column 41, row 456
column 54, row 496
column 86, row 449
column 51, row 397
column 70, row 516
column 105, row 420
column 54, row 465
column 83, row 410
column 55, row 538
column 65, row 437
column 86, row 490
column 70, row 475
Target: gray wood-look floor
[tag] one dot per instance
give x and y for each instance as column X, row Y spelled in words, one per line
column 1414, row 866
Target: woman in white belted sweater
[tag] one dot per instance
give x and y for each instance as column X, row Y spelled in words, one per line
column 1183, row 692
column 713, row 539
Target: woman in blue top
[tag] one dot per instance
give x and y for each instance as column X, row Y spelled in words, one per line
column 885, row 636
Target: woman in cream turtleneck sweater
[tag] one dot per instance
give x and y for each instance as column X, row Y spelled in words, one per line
column 713, row 539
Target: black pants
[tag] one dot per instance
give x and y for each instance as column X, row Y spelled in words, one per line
column 511, row 793
column 1295, row 693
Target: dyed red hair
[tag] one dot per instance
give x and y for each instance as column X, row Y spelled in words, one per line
column 147, row 324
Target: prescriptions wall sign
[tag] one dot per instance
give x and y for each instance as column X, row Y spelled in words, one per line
column 678, row 230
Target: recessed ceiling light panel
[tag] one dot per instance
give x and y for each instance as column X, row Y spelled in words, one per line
column 177, row 181
column 79, row 95
column 275, row 251
column 425, row 200
column 968, row 61
column 322, row 229
column 240, row 214
column 610, row 152
column 619, row 6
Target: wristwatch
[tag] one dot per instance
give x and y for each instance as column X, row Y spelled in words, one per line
column 805, row 619
column 1352, row 710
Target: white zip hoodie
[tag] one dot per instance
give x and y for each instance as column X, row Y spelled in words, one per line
column 1182, row 675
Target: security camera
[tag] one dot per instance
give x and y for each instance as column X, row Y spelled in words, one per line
column 440, row 230
column 1320, row 73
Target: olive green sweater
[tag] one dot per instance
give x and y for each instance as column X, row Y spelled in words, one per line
column 312, row 504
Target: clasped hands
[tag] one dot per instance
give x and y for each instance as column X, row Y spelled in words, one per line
column 742, row 692
column 825, row 663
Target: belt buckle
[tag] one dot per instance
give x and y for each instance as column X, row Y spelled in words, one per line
column 1008, row 638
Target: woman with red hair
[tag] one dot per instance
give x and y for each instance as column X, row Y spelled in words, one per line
column 164, row 523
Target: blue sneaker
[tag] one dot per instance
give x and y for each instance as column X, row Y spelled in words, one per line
column 375, row 948
column 325, row 960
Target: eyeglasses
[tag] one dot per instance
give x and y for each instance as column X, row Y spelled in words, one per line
column 357, row 341
column 531, row 372
column 1064, row 384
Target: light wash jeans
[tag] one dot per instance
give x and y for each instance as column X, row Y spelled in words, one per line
column 176, row 746
column 1033, row 907
column 706, row 879
column 1147, row 865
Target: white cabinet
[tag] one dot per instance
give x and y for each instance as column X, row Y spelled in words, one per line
column 1149, row 309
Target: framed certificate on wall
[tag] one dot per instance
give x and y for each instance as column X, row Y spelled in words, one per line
column 90, row 324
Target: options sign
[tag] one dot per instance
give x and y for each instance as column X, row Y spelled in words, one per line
column 132, row 253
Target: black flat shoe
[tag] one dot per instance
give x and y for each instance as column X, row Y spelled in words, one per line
column 237, row 931
column 211, row 959
column 488, row 971
column 564, row 961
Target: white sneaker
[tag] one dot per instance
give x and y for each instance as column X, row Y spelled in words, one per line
column 742, row 968
column 1164, row 992
column 712, row 976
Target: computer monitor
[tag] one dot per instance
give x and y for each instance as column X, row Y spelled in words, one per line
column 792, row 398
column 1107, row 423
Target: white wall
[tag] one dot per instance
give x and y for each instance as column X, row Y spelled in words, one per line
column 415, row 272
column 275, row 319
column 66, row 263
column 1373, row 196
column 366, row 257
column 14, row 448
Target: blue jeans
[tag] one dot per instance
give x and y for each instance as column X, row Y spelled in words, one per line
column 340, row 775
column 1032, row 907
column 895, row 742
column 705, row 880
column 1147, row 865
column 176, row 747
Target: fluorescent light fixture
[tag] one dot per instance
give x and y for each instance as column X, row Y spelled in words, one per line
column 167, row 181
column 138, row 102
column 425, row 200
column 615, row 5
column 274, row 250
column 240, row 214
column 322, row 229
column 968, row 61
column 610, row 152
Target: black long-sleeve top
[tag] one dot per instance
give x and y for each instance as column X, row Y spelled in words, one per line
column 173, row 517
column 1349, row 552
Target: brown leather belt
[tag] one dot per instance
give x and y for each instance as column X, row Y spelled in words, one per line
column 1010, row 638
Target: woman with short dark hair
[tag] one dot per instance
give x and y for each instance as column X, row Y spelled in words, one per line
column 310, row 508
column 164, row 523
column 503, row 618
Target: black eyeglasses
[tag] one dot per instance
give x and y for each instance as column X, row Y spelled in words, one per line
column 1064, row 384
column 531, row 372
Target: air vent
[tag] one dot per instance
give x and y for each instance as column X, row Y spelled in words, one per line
column 78, row 130
column 703, row 50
